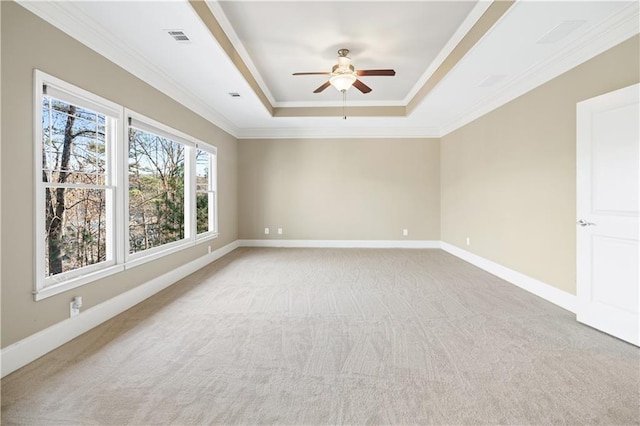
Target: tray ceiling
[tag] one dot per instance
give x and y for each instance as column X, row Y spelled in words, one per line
column 454, row 61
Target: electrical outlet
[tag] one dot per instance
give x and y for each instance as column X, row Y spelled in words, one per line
column 468, row 241
column 74, row 306
column 279, row 231
column 266, row 231
column 209, row 249
column 405, row 232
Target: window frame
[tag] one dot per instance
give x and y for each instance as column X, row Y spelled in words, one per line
column 212, row 188
column 191, row 144
column 48, row 286
column 116, row 188
column 146, row 124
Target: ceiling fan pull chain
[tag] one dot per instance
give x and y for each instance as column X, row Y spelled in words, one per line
column 344, row 102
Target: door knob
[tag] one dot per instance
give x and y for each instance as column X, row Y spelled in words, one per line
column 584, row 223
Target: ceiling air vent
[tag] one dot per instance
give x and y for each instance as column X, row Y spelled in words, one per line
column 178, row 35
column 234, row 94
column 560, row 31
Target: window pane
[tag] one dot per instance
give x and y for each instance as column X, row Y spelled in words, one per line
column 202, row 170
column 156, row 191
column 202, row 209
column 204, row 196
column 73, row 145
column 75, row 228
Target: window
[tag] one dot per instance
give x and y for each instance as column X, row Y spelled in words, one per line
column 171, row 194
column 156, row 190
column 76, row 192
column 108, row 196
column 206, row 186
column 75, row 177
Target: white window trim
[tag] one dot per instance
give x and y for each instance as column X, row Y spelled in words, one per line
column 48, row 286
column 119, row 188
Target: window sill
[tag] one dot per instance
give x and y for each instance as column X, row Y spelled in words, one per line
column 75, row 282
column 206, row 237
column 141, row 258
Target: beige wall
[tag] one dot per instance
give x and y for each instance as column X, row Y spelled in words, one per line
column 339, row 189
column 28, row 43
column 508, row 178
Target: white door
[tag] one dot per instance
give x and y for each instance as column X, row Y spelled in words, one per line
column 608, row 259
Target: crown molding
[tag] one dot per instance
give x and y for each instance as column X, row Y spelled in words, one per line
column 481, row 27
column 337, row 132
column 212, row 24
column 351, row 111
column 474, row 16
column 467, row 25
column 87, row 31
column 337, row 103
column 227, row 28
column 619, row 27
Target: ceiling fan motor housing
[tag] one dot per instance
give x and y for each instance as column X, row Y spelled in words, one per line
column 337, row 69
column 344, row 63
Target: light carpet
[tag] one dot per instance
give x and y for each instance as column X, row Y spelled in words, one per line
column 333, row 336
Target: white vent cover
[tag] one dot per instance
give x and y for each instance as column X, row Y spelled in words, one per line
column 560, row 31
column 178, row 35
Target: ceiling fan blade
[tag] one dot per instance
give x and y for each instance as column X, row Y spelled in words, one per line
column 321, row 88
column 311, row 73
column 361, row 86
column 390, row 73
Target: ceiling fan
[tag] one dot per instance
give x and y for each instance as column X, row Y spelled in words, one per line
column 344, row 75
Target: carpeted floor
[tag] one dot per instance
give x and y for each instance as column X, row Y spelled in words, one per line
column 334, row 336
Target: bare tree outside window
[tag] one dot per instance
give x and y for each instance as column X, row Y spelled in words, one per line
column 156, row 190
column 111, row 193
column 74, row 177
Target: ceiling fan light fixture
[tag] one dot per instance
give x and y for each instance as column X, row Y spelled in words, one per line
column 343, row 75
column 342, row 82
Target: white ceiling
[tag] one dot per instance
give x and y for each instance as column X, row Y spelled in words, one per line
column 276, row 39
column 281, row 37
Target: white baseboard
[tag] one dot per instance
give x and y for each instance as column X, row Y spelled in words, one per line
column 539, row 288
column 414, row 244
column 33, row 347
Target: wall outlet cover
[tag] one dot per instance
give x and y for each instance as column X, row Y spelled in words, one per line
column 73, row 310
